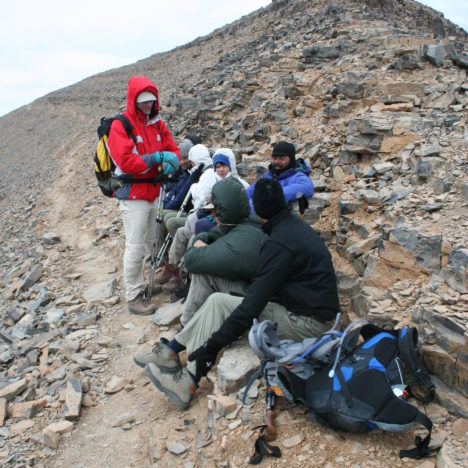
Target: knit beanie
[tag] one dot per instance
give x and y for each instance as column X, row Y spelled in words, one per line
column 221, row 158
column 284, row 148
column 268, row 198
column 195, row 139
column 185, row 147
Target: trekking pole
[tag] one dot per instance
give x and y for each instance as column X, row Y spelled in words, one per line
column 159, row 221
column 302, row 201
column 168, row 239
column 270, row 428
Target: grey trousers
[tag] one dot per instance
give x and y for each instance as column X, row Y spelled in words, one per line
column 181, row 239
column 219, row 306
column 202, row 286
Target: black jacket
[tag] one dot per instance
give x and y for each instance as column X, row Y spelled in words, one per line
column 295, row 270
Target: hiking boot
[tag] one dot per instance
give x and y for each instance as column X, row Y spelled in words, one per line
column 166, row 274
column 179, row 387
column 170, row 286
column 157, row 289
column 162, row 356
column 139, row 306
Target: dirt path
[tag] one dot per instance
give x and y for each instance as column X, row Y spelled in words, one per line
column 154, row 422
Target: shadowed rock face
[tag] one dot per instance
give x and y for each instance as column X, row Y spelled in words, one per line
column 374, row 95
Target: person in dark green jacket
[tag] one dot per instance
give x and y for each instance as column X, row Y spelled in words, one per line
column 225, row 258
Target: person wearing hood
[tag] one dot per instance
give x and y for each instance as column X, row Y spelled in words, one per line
column 232, row 164
column 149, row 155
column 200, row 157
column 224, row 163
column 220, row 169
column 294, row 286
column 293, row 177
column 224, row 259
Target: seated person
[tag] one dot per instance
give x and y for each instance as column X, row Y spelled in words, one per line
column 294, row 286
column 199, row 156
column 224, row 157
column 176, row 191
column 225, row 258
column 201, row 193
column 284, row 169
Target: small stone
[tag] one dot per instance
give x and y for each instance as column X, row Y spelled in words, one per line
column 221, row 404
column 427, row 464
column 175, row 447
column 51, row 238
column 51, row 438
column 115, row 384
column 292, row 441
column 234, row 424
column 437, row 440
column 436, row 413
column 87, row 401
column 3, row 410
column 12, row 390
column 73, row 398
column 60, row 427
column 57, row 374
column 27, row 409
column 123, row 419
column 460, row 427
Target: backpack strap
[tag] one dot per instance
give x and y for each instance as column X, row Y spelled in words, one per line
column 422, row 445
column 262, row 448
column 407, row 343
column 128, row 127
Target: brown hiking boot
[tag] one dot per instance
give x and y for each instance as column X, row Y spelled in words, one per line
column 178, row 386
column 170, row 286
column 139, row 306
column 166, row 274
column 162, row 356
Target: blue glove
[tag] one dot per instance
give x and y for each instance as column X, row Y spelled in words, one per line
column 169, row 162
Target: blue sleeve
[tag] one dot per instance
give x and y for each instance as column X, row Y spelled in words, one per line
column 178, row 195
column 299, row 183
column 249, row 192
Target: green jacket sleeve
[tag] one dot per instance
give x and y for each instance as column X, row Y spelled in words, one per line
column 234, row 256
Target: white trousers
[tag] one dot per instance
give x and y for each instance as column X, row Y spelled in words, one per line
column 139, row 226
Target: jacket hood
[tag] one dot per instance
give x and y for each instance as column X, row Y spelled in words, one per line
column 199, row 154
column 230, row 201
column 136, row 85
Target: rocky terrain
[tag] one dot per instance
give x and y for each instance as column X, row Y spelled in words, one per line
column 374, row 93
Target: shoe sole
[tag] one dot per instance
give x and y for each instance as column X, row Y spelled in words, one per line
column 170, row 394
column 169, row 370
column 143, row 314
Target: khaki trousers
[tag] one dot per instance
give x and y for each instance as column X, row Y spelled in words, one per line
column 202, row 286
column 219, row 306
column 139, row 226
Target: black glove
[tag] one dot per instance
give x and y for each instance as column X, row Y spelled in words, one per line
column 196, row 174
column 205, row 357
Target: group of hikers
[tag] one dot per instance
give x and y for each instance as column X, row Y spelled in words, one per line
column 248, row 255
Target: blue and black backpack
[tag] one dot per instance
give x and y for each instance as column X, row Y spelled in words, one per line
column 356, row 380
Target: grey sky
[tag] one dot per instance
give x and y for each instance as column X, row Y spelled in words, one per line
column 48, row 44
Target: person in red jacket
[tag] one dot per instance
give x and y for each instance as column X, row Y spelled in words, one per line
column 151, row 153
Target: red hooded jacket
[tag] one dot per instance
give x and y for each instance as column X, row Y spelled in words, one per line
column 137, row 158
